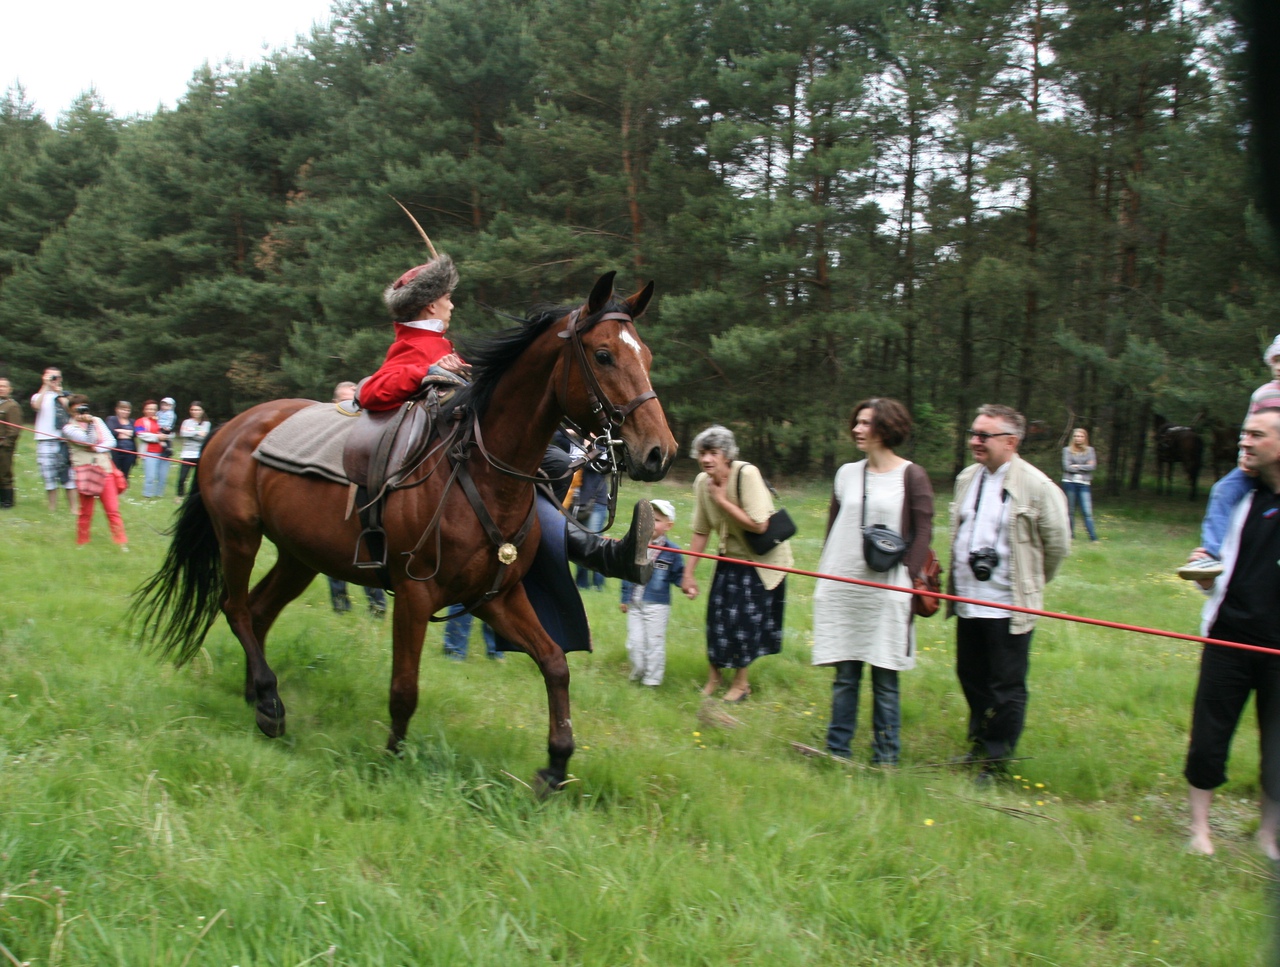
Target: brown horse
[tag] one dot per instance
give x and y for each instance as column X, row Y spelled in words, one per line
column 587, row 365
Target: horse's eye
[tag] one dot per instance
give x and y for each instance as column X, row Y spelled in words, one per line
column 604, row 357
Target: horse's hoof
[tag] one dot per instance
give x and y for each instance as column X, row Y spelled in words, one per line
column 271, row 728
column 545, row 782
column 271, row 722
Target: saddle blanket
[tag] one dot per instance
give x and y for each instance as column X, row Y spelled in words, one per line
column 310, row 441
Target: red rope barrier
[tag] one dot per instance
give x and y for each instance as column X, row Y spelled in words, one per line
column 1060, row 615
column 136, row 453
column 1063, row 616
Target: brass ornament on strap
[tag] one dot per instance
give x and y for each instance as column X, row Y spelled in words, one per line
column 507, row 553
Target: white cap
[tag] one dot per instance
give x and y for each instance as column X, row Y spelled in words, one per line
column 665, row 508
column 1272, row 351
column 170, row 400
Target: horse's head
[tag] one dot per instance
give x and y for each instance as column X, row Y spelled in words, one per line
column 604, row 378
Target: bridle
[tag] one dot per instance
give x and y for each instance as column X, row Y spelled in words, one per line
column 611, row 415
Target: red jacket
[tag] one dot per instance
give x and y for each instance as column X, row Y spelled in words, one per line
column 148, row 424
column 410, row 355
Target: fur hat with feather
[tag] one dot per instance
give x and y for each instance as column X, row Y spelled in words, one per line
column 422, row 285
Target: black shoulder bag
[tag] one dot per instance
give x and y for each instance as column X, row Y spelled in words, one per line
column 781, row 526
column 882, row 547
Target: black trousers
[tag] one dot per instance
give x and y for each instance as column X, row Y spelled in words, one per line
column 992, row 667
column 1227, row 676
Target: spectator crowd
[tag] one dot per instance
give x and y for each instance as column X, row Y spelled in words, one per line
column 1010, row 530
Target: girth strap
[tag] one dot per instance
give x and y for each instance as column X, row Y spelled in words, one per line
column 507, row 550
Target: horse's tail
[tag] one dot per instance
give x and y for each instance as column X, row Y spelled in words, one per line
column 175, row 609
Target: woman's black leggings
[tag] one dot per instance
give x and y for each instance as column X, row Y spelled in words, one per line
column 184, row 468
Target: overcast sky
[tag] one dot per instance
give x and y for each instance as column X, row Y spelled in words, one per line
column 137, row 53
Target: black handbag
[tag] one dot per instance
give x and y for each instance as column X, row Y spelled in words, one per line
column 781, row 527
column 882, row 547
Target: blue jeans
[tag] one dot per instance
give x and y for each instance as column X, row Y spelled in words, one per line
column 886, row 712
column 155, row 474
column 1080, row 495
column 458, row 629
column 338, row 596
column 588, row 579
column 1224, row 496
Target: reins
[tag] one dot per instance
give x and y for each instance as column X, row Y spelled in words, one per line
column 460, row 443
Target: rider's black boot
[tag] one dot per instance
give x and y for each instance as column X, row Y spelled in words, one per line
column 627, row 558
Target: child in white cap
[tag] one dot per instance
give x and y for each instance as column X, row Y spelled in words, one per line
column 648, row 606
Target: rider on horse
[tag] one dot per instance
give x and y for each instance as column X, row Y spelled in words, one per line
column 420, row 304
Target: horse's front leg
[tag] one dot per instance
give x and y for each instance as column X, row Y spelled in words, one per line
column 409, row 618
column 513, row 617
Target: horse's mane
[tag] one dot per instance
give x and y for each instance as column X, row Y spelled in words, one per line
column 491, row 355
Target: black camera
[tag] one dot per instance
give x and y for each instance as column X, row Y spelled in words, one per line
column 82, row 408
column 983, row 562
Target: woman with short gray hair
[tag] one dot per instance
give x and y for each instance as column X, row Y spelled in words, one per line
column 746, row 603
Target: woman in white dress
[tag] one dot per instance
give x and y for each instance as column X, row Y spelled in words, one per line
column 855, row 625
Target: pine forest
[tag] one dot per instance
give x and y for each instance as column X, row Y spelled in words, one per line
column 1044, row 204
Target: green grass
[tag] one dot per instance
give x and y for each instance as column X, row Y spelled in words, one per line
column 146, row 822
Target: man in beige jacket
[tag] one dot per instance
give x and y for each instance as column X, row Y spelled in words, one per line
column 1009, row 534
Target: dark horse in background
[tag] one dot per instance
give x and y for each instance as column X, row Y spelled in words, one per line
column 1224, row 448
column 587, row 364
column 1177, row 444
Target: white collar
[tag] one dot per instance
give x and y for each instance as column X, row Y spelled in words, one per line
column 430, row 325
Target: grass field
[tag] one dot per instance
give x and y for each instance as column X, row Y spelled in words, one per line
column 146, row 822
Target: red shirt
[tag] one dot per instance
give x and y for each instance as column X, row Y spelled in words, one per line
column 398, row 378
column 148, row 425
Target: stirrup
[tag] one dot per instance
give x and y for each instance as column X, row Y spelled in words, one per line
column 374, row 540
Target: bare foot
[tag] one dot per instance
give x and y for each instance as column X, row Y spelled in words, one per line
column 710, row 688
column 1268, row 846
column 1200, row 843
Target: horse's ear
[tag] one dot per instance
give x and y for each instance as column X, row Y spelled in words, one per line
column 601, row 294
column 640, row 301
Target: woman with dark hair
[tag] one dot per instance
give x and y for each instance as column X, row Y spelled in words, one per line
column 855, row 625
column 91, row 442
column 150, row 438
column 120, row 423
column 746, row 604
column 194, row 431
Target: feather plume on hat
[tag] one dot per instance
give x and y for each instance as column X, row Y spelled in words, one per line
column 419, row 287
column 423, row 284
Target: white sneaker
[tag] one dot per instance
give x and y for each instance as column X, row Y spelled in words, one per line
column 1205, row 569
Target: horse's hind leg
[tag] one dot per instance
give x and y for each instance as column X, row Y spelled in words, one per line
column 250, row 616
column 287, row 579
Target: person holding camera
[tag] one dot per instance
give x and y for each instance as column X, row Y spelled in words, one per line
column 1009, row 534
column 50, row 404
column 93, row 470
column 855, row 625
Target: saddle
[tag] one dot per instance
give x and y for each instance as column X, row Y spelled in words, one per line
column 382, row 449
